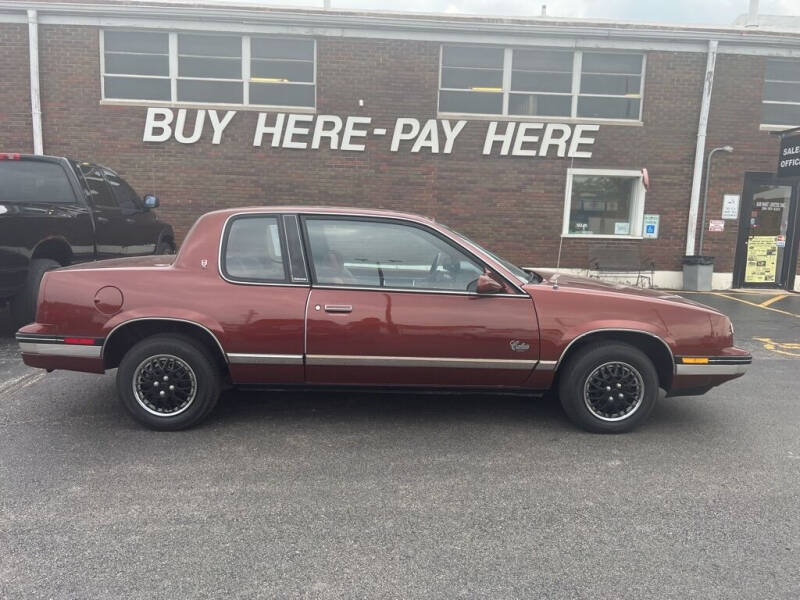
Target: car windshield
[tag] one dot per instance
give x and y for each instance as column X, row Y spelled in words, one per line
column 523, row 275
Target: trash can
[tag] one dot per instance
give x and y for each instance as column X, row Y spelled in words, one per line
column 697, row 273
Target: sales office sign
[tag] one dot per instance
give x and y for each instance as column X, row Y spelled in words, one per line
column 313, row 132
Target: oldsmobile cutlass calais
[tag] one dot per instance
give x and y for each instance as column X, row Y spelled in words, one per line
column 296, row 296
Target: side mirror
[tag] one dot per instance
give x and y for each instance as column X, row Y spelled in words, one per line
column 488, row 285
column 150, row 201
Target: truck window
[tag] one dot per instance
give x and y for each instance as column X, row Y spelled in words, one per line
column 34, row 181
column 99, row 192
column 126, row 196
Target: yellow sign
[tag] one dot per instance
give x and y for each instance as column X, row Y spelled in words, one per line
column 762, row 259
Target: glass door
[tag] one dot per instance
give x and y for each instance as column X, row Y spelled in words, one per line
column 764, row 254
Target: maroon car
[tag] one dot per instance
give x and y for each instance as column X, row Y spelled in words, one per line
column 298, row 296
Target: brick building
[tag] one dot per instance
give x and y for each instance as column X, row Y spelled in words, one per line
column 550, row 141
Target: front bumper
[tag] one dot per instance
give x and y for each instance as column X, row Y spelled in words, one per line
column 695, row 375
column 715, row 365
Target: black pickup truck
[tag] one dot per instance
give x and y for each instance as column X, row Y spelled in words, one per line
column 55, row 212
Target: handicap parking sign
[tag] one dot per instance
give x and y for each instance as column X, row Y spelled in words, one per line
column 651, row 227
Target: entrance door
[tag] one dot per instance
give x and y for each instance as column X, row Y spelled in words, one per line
column 766, row 251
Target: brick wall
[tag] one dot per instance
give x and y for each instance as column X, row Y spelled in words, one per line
column 15, row 99
column 512, row 204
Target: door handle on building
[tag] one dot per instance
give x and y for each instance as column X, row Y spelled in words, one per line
column 338, row 308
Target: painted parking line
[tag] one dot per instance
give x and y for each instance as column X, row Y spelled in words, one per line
column 12, row 386
column 774, row 299
column 784, row 348
column 761, row 306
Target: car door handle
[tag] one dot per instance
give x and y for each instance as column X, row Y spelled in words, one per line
column 338, row 308
column 102, row 219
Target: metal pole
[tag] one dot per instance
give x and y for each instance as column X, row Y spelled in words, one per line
column 705, row 202
column 705, row 194
column 699, row 156
column 36, row 105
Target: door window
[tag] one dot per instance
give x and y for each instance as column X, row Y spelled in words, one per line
column 387, row 255
column 127, row 197
column 252, row 250
column 100, row 194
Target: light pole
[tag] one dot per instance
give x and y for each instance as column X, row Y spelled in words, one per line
column 727, row 149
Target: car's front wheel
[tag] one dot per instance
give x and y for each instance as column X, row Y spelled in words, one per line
column 608, row 388
column 168, row 382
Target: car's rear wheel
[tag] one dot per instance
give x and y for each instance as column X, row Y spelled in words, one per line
column 608, row 388
column 168, row 382
column 23, row 305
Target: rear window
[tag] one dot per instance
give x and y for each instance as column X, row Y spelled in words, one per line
column 253, row 250
column 34, row 181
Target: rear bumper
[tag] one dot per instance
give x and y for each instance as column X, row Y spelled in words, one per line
column 695, row 375
column 52, row 352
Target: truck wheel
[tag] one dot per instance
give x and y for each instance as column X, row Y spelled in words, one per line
column 165, row 247
column 23, row 305
column 608, row 388
column 168, row 382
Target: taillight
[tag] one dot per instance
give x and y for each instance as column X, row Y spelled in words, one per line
column 79, row 341
column 9, row 156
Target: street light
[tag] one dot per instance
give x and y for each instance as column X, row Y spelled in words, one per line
column 727, row 149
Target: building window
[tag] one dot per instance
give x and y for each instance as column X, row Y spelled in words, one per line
column 194, row 68
column 477, row 80
column 606, row 203
column 781, row 102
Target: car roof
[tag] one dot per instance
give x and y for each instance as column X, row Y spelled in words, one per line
column 330, row 210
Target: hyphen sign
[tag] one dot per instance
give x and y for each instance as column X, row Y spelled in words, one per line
column 789, row 161
column 314, row 132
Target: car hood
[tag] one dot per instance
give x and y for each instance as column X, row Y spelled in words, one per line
column 567, row 281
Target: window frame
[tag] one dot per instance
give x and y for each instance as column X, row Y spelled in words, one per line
column 223, row 246
column 173, row 77
column 637, row 212
column 304, row 217
column 575, row 91
column 775, row 126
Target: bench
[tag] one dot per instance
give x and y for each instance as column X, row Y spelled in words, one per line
column 621, row 261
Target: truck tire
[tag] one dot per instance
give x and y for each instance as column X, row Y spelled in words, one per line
column 23, row 305
column 168, row 382
column 165, row 247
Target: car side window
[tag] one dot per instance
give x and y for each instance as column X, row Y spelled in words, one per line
column 126, row 196
column 386, row 254
column 252, row 250
column 100, row 195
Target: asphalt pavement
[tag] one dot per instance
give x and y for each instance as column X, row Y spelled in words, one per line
column 295, row 495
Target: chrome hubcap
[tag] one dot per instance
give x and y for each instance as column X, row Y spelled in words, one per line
column 613, row 391
column 164, row 385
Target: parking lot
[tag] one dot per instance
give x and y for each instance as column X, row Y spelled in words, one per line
column 407, row 496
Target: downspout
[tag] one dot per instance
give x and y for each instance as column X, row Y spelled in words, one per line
column 36, row 105
column 699, row 154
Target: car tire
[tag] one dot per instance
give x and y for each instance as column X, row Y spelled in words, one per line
column 165, row 247
column 168, row 382
column 23, row 305
column 620, row 370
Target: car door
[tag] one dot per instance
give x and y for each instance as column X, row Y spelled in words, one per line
column 138, row 227
column 110, row 238
column 392, row 303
